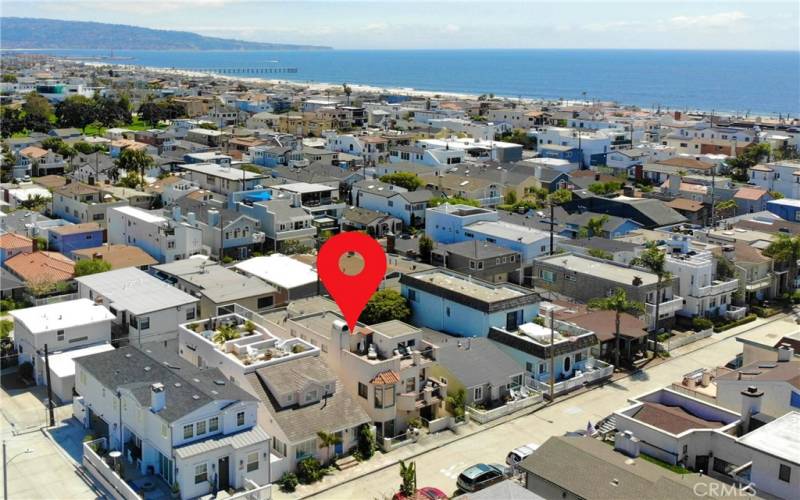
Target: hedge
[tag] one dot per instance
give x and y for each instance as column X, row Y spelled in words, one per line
column 728, row 326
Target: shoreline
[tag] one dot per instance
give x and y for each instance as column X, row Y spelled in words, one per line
column 409, row 91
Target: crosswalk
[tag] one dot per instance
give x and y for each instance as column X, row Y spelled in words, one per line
column 453, row 471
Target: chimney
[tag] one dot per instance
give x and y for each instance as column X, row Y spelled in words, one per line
column 751, row 404
column 158, row 398
column 785, row 353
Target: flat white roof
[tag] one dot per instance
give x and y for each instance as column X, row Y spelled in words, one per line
column 135, row 291
column 63, row 363
column 508, row 231
column 140, row 214
column 591, row 267
column 61, row 315
column 779, row 438
column 204, row 131
column 303, row 187
column 229, row 173
column 279, row 270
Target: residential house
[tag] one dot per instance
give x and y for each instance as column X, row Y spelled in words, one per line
column 782, row 177
column 648, row 212
column 238, row 234
column 182, row 427
column 206, row 137
column 214, row 157
column 614, row 227
column 220, row 179
column 319, row 200
column 376, row 224
column 293, row 279
column 657, row 172
column 619, row 251
column 43, row 272
column 67, row 329
column 35, row 162
column 217, row 287
column 118, row 256
column 385, row 367
column 80, row 203
column 749, row 200
column 144, row 308
column 486, row 192
column 584, row 278
column 164, row 239
column 695, row 212
column 408, row 206
column 282, row 220
column 457, row 304
column 12, row 244
column 483, row 260
column 437, row 159
column 95, row 168
column 68, row 239
column 11, row 287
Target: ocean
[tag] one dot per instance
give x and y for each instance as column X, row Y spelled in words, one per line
column 754, row 82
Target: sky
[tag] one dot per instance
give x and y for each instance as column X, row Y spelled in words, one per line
column 456, row 24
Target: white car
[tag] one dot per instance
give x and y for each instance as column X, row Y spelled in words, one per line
column 517, row 455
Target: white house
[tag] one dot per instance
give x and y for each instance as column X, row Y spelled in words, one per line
column 172, row 422
column 781, row 176
column 164, row 239
column 63, row 327
column 143, row 307
column 293, row 279
column 221, row 179
column 408, row 206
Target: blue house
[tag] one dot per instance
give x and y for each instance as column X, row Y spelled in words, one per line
column 614, row 227
column 569, row 153
column 457, row 304
column 67, row 239
column 785, row 208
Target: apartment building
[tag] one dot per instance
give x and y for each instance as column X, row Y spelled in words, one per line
column 81, row 203
column 221, row 179
column 782, row 177
column 408, row 206
column 166, row 240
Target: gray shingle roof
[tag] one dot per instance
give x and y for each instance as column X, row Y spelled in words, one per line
column 136, row 370
column 475, row 249
column 254, row 435
column 299, row 423
column 482, row 362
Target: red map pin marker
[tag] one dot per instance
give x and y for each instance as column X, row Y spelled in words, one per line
column 351, row 293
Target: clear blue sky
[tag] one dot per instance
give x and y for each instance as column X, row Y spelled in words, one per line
column 383, row 24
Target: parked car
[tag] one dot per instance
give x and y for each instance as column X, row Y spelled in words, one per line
column 424, row 493
column 517, row 455
column 480, row 476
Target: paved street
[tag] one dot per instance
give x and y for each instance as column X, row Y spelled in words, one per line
column 440, row 467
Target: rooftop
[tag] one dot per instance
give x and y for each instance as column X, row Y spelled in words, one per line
column 229, row 173
column 508, row 231
column 63, row 364
column 599, row 268
column 304, row 187
column 767, row 371
column 39, row 267
column 779, row 438
column 394, row 328
column 135, row 291
column 77, row 228
column 61, row 315
column 218, row 283
column 465, row 285
column 279, row 270
column 141, row 214
column 119, row 256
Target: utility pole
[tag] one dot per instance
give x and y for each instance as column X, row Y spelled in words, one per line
column 49, row 387
column 552, row 223
column 552, row 352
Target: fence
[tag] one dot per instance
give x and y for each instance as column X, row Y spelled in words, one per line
column 439, row 424
column 484, row 416
column 103, row 474
column 597, row 370
column 676, row 342
column 53, row 299
column 253, row 492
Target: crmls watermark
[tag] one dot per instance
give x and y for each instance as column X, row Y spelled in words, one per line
column 718, row 490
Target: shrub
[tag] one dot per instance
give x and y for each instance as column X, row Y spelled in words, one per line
column 700, row 324
column 734, row 324
column 415, row 423
column 309, row 470
column 288, row 482
column 366, row 442
column 539, row 320
column 6, row 326
column 227, row 259
column 7, row 305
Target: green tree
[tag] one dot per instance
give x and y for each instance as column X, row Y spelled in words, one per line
column 366, row 442
column 76, row 111
column 511, row 197
column 135, row 160
column 111, row 112
column 750, row 157
column 594, row 226
column 619, row 303
column 37, row 113
column 725, row 209
column 309, row 470
column 208, row 126
column 776, row 195
column 37, row 203
column 9, row 78
column 457, row 403
column 786, row 250
column 403, row 179
column 425, row 248
column 151, row 112
column 132, row 180
column 225, row 333
column 604, row 188
column 292, row 247
column 517, row 136
column 453, row 200
column 654, row 260
column 87, row 149
column 12, row 121
column 561, row 196
column 408, row 476
column 725, row 268
column 385, row 305
column 347, row 91
column 601, row 254
column 328, row 440
column 86, row 267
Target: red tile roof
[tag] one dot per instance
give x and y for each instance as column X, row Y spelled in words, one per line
column 752, row 194
column 673, row 419
column 40, row 267
column 11, row 241
column 386, row 378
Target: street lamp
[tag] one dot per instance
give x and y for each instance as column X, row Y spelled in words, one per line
column 5, row 467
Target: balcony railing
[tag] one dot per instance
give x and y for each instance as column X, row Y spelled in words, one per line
column 718, row 288
column 758, row 284
column 411, row 401
column 667, row 307
column 586, row 372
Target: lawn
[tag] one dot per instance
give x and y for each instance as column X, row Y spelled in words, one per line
column 138, row 124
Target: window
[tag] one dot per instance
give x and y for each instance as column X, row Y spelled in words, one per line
column 78, row 339
column 188, row 431
column 784, row 473
column 201, row 428
column 252, row 461
column 412, row 295
column 363, row 391
column 200, row 473
column 265, row 302
column 60, row 335
column 240, row 419
column 144, row 323
column 190, row 313
column 410, row 384
column 548, row 276
column 472, row 264
column 390, row 203
column 448, row 311
column 311, row 396
column 384, row 396
column 478, row 394
column 305, row 449
column 164, row 429
column 528, row 366
column 213, row 424
column 541, row 368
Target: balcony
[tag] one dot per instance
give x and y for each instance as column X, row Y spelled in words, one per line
column 586, row 372
column 758, row 284
column 735, row 313
column 667, row 307
column 413, row 401
column 717, row 288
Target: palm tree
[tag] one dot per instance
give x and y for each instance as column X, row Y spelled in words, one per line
column 225, row 333
column 328, row 440
column 785, row 249
column 594, row 226
column 347, row 91
column 654, row 259
column 408, row 474
column 619, row 303
column 458, row 402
